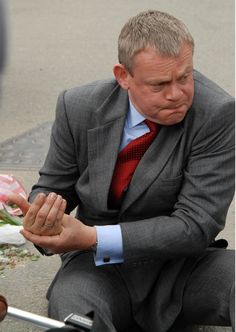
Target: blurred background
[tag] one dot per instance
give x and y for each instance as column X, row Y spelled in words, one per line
column 57, row 44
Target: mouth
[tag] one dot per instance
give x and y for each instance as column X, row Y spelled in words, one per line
column 175, row 107
column 179, row 108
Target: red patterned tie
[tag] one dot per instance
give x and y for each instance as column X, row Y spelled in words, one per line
column 126, row 163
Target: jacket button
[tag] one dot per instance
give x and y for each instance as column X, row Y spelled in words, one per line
column 106, row 259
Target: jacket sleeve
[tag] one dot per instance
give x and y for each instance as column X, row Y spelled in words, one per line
column 60, row 170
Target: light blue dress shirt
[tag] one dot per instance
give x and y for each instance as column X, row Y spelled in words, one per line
column 109, row 238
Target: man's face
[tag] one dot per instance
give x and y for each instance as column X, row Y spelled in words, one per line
column 160, row 87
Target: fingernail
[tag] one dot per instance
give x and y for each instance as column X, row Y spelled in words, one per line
column 41, row 195
column 52, row 195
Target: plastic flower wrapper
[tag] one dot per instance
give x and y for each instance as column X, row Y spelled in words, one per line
column 10, row 227
column 7, row 218
column 9, row 212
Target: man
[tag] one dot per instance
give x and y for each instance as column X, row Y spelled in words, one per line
column 148, row 159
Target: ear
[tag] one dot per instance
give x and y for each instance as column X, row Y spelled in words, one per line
column 121, row 75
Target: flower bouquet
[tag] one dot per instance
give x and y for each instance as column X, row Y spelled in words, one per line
column 7, row 218
column 10, row 221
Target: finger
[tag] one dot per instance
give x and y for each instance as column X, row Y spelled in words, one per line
column 42, row 213
column 30, row 216
column 44, row 241
column 52, row 223
column 51, row 217
column 20, row 201
column 60, row 213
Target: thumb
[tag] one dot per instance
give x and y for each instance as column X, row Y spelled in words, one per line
column 20, row 201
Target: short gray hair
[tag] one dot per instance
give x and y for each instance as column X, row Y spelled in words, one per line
column 152, row 28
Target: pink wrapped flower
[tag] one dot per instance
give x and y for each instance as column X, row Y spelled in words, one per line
column 9, row 184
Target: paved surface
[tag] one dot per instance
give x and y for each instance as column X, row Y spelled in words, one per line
column 58, row 44
column 26, row 151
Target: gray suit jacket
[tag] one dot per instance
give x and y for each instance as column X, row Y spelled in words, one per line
column 179, row 195
column 180, row 192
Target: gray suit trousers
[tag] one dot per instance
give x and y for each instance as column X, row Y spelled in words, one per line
column 81, row 287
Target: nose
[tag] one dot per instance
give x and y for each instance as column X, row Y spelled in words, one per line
column 174, row 92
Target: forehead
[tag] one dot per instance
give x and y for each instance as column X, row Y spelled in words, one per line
column 150, row 61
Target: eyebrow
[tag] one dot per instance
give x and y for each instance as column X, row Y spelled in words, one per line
column 163, row 81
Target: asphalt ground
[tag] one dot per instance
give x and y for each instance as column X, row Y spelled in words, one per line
column 58, row 44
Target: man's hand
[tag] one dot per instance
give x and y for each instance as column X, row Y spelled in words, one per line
column 65, row 233
column 44, row 215
column 74, row 236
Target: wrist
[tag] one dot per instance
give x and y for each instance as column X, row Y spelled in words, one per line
column 92, row 238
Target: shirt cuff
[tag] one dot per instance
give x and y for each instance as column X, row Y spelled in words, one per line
column 110, row 245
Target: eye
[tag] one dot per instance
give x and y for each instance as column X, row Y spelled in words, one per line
column 158, row 87
column 184, row 78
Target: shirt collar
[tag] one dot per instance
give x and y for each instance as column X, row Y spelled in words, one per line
column 134, row 117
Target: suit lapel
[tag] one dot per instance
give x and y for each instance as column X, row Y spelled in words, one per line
column 152, row 163
column 103, row 146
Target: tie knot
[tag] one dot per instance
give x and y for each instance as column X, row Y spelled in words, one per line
column 151, row 125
